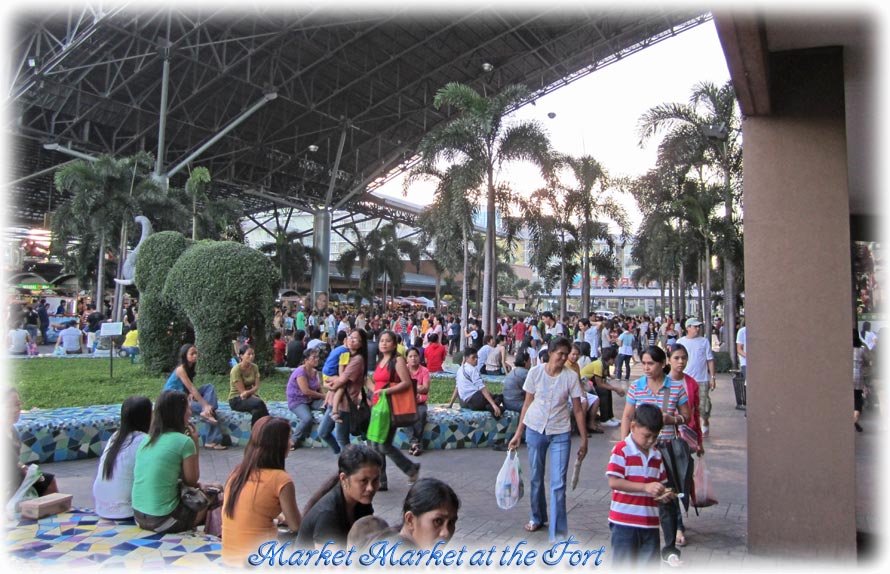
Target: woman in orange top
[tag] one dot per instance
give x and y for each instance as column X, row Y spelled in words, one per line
column 258, row 492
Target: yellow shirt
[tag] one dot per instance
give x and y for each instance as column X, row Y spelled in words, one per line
column 593, row 369
column 132, row 338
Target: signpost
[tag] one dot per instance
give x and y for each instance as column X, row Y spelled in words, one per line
column 111, row 330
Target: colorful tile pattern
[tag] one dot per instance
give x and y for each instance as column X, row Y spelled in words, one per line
column 80, row 539
column 81, row 432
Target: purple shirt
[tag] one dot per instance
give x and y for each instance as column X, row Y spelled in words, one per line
column 294, row 395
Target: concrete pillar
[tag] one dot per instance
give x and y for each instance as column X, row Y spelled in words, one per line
column 321, row 240
column 801, row 499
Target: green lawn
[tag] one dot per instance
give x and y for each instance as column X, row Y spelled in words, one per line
column 49, row 383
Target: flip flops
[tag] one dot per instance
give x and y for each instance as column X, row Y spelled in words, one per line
column 214, row 446
column 532, row 527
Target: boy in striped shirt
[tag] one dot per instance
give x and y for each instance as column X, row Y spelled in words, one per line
column 636, row 476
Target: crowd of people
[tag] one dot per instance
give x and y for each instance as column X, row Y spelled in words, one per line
column 560, row 376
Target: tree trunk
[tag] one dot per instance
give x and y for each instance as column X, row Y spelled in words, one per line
column 195, row 217
column 438, row 290
column 729, row 310
column 707, row 276
column 585, row 281
column 488, row 270
column 465, row 297
column 100, row 275
column 661, row 299
column 118, row 288
column 681, row 292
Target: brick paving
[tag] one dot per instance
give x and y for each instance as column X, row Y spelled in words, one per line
column 717, row 536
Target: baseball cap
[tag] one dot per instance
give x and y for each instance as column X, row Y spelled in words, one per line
column 692, row 322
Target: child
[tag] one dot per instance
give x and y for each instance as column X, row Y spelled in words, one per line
column 636, row 476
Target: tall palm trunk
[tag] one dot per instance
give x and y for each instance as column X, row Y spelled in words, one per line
column 100, row 279
column 729, row 310
column 707, row 277
column 585, row 281
column 465, row 290
column 488, row 271
column 681, row 291
column 661, row 298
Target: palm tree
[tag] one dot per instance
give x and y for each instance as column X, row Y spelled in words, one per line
column 289, row 254
column 453, row 204
column 585, row 201
column 480, row 140
column 105, row 194
column 710, row 122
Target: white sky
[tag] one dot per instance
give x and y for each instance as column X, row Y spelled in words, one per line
column 598, row 114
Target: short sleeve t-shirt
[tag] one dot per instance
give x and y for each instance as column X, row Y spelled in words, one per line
column 157, row 471
column 114, row 496
column 699, row 349
column 258, row 504
column 549, row 413
column 327, row 520
column 640, row 394
column 248, row 377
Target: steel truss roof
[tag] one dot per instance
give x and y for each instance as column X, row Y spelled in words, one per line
column 91, row 79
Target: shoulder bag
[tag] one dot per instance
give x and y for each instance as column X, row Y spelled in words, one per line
column 359, row 415
column 403, row 405
column 677, row 458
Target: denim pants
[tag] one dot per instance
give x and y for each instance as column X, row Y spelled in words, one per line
column 633, row 546
column 559, row 448
column 386, row 449
column 623, row 359
column 253, row 405
column 304, row 413
column 208, row 391
column 326, row 430
column 415, row 431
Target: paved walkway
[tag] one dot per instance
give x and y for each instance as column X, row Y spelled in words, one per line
column 717, row 536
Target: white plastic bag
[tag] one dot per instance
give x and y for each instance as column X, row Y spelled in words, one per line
column 508, row 489
column 25, row 491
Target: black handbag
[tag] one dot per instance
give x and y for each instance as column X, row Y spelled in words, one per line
column 194, row 498
column 677, row 458
column 359, row 415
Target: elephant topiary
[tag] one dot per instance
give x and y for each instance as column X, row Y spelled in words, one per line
column 216, row 286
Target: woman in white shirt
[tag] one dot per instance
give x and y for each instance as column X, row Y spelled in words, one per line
column 113, row 487
column 548, row 430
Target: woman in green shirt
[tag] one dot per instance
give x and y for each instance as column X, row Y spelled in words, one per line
column 168, row 455
column 245, row 382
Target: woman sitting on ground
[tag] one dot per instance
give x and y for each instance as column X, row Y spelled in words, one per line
column 429, row 514
column 244, row 381
column 203, row 400
column 46, row 484
column 113, row 487
column 258, row 492
column 342, row 499
column 167, row 459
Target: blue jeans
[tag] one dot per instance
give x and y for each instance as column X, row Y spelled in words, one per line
column 559, row 447
column 623, row 359
column 304, row 413
column 335, row 435
column 633, row 546
column 208, row 391
column 415, row 431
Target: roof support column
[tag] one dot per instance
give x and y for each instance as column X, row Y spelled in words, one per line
column 321, row 237
column 162, row 119
column 321, row 240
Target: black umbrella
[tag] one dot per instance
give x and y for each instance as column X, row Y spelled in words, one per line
column 678, row 465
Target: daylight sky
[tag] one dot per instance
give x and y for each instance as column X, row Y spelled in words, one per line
column 598, row 114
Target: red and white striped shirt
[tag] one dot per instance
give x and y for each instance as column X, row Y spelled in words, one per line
column 636, row 509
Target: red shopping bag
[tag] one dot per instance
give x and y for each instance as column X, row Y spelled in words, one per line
column 704, row 486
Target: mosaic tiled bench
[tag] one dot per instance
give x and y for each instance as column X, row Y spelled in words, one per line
column 80, row 539
column 81, row 432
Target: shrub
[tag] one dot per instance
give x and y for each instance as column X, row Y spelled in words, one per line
column 162, row 327
column 221, row 285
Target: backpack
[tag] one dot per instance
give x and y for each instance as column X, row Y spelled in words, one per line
column 323, row 351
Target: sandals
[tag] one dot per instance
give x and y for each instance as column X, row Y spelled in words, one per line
column 532, row 527
column 214, row 446
column 415, row 450
column 413, row 476
column 680, row 540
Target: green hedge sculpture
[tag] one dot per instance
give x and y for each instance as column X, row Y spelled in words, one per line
column 216, row 287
